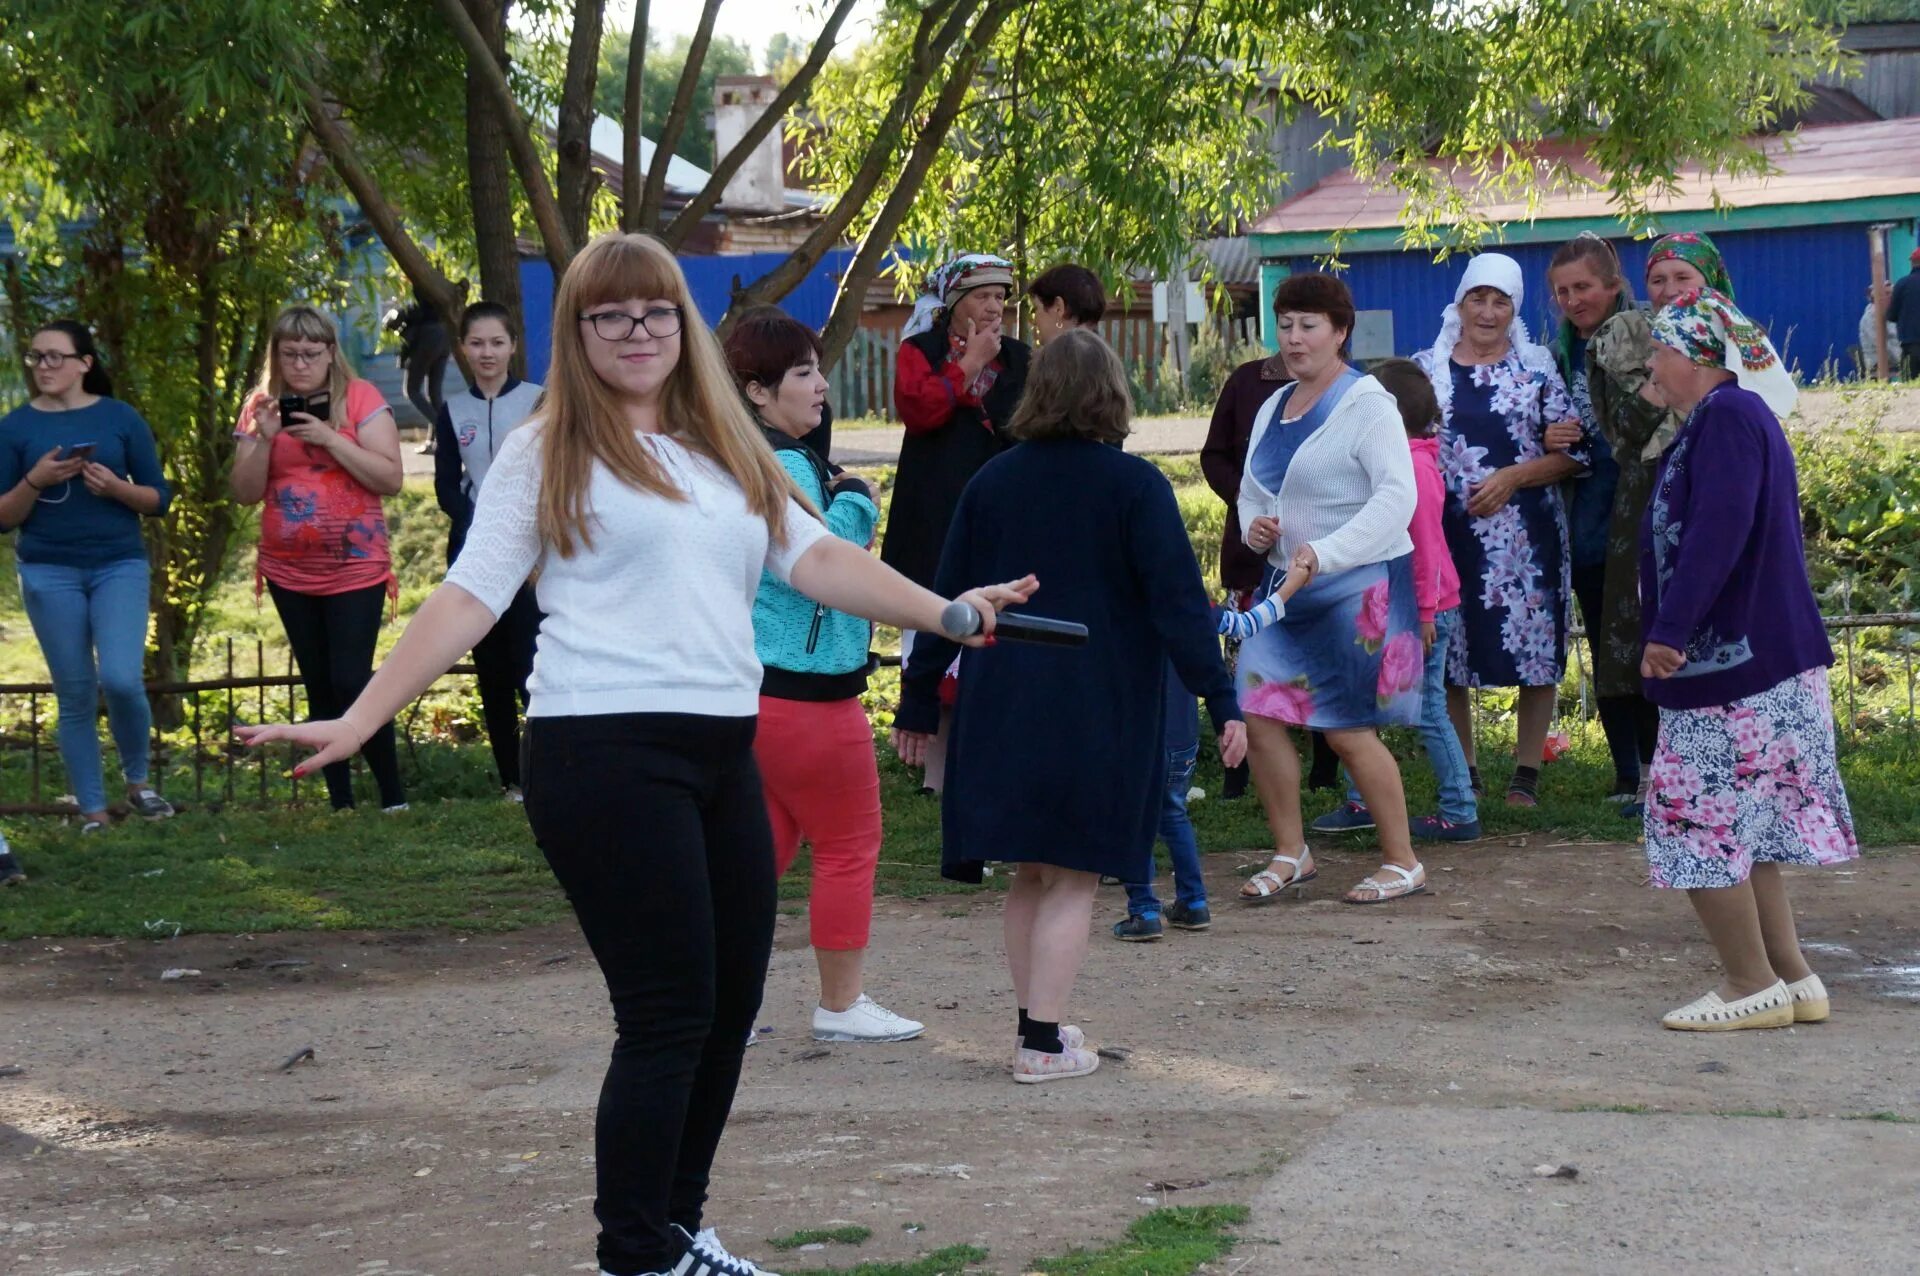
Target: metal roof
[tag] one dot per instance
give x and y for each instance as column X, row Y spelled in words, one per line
column 1823, row 164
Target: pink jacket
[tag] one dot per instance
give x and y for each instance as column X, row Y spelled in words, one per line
column 1436, row 584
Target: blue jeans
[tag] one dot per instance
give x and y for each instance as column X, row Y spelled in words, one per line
column 1449, row 760
column 1190, row 888
column 92, row 627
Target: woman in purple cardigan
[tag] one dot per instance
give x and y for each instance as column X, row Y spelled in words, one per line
column 1744, row 777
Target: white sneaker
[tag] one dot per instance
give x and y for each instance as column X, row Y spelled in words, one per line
column 395, row 809
column 1768, row 1008
column 865, row 1020
column 706, row 1256
column 514, row 795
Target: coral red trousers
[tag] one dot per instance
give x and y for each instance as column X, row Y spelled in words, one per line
column 823, row 786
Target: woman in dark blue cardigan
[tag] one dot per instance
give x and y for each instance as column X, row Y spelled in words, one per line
column 1056, row 761
column 1744, row 777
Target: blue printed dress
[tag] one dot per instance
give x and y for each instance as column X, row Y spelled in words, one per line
column 1515, row 571
column 1347, row 653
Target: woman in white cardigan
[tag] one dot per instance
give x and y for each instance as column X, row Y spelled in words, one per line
column 1327, row 493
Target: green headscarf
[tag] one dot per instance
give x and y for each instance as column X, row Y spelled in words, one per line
column 1698, row 251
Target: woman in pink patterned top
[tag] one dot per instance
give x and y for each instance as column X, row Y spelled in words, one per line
column 320, row 449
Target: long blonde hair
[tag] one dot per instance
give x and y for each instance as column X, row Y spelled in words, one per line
column 582, row 420
column 304, row 323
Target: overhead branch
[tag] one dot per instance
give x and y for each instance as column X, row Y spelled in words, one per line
column 879, row 239
column 438, row 290
column 526, row 156
column 795, row 89
column 668, row 142
column 940, row 27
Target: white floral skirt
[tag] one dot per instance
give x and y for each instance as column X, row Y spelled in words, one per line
column 1752, row 782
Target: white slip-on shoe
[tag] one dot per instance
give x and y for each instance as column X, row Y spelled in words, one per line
column 1768, row 1008
column 1809, row 1000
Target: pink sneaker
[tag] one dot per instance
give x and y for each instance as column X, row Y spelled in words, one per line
column 1032, row 1066
column 1070, row 1036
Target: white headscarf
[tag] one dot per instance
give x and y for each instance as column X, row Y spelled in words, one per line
column 1485, row 270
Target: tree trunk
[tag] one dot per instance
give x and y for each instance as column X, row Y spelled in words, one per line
column 574, row 178
column 520, row 145
column 633, row 180
column 689, row 217
column 490, row 175
column 941, row 25
column 878, row 241
column 669, row 140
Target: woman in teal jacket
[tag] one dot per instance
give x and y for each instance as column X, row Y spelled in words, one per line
column 814, row 744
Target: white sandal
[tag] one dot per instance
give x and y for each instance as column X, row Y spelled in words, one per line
column 1268, row 884
column 1768, row 1008
column 1412, row 882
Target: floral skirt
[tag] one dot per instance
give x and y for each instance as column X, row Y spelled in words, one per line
column 1347, row 654
column 1752, row 782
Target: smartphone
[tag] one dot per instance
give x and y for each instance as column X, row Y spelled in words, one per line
column 319, row 406
column 77, row 451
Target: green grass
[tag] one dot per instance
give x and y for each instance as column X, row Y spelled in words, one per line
column 1166, row 1242
column 852, row 1235
column 1890, row 1118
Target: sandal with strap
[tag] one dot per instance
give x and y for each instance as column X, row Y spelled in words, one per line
column 1412, row 882
column 1267, row 885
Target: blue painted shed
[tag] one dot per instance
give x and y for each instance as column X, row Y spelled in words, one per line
column 1797, row 241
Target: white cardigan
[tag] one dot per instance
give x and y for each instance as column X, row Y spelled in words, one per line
column 1349, row 489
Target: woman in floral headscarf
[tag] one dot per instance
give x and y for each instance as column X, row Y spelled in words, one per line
column 1498, row 393
column 1687, row 262
column 957, row 380
column 1744, row 775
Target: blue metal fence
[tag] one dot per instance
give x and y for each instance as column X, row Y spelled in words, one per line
column 1807, row 284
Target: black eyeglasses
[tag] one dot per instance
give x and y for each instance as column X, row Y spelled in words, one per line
column 618, row 325
column 47, row 358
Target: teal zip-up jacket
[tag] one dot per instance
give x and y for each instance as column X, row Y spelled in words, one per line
column 811, row 652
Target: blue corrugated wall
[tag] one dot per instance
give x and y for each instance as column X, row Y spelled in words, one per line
column 709, row 278
column 1808, row 285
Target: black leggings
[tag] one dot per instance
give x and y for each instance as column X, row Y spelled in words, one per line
column 332, row 636
column 655, row 825
column 1631, row 723
column 502, row 660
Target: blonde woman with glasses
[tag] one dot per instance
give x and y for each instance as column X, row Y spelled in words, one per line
column 318, row 449
column 645, row 498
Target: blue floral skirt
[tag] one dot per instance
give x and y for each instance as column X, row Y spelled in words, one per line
column 1752, row 782
column 1346, row 655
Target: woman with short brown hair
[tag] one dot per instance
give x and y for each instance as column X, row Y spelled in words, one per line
column 1056, row 761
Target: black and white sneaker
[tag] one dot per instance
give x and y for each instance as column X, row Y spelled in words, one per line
column 11, row 874
column 149, row 805
column 706, row 1256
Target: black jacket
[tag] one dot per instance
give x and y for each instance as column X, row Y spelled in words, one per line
column 936, row 465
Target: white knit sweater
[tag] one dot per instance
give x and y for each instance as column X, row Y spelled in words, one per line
column 658, row 616
column 1348, row 491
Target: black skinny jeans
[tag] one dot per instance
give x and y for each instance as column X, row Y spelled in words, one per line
column 332, row 636
column 502, row 661
column 1631, row 723
column 655, row 825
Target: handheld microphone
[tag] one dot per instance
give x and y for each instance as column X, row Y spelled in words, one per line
column 960, row 620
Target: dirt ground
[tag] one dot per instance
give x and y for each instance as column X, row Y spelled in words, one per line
column 443, row 1124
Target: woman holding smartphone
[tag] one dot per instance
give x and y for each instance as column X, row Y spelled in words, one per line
column 319, row 449
column 78, row 470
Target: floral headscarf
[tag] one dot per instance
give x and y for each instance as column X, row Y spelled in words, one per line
column 944, row 286
column 1709, row 329
column 1698, row 251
